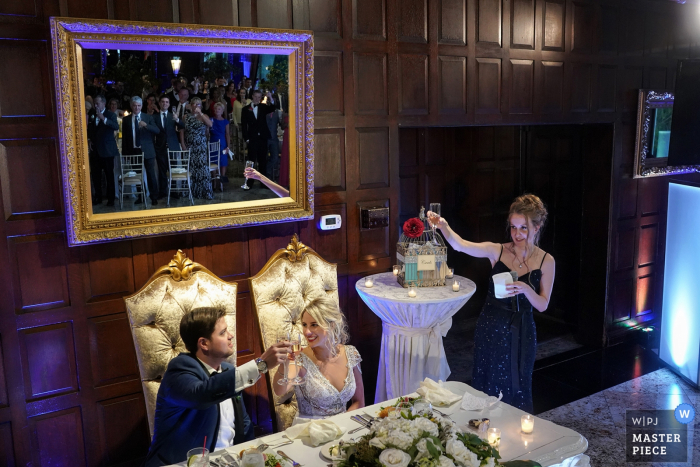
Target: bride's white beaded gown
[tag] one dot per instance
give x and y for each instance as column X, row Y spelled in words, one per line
column 317, row 397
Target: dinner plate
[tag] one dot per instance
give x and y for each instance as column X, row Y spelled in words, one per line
column 326, row 452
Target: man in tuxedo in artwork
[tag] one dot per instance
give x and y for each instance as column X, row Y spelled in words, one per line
column 138, row 130
column 168, row 125
column 248, row 86
column 103, row 148
column 256, row 132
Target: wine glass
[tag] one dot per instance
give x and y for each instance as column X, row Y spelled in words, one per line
column 297, row 348
column 284, row 336
column 245, row 184
column 434, row 219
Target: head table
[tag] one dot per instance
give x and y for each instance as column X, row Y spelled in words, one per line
column 549, row 444
column 412, row 330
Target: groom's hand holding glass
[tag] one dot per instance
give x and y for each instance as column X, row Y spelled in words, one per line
column 276, row 354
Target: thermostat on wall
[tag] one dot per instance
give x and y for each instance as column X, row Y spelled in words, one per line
column 330, row 222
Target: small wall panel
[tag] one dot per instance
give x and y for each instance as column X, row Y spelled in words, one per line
column 452, row 23
column 632, row 32
column 24, row 65
column 488, row 92
column 607, row 75
column 652, row 196
column 330, row 244
column 522, row 24
column 624, row 249
column 328, row 70
column 609, row 29
column 97, row 9
column 627, row 192
column 247, row 331
column 408, row 146
column 373, row 155
column 123, row 428
column 108, row 271
column 434, row 188
column 325, row 18
column 369, row 19
column 112, row 353
column 648, row 235
column 409, row 195
column 370, row 84
column 7, row 448
column 57, row 438
column 645, row 295
column 329, row 155
column 657, row 32
column 584, row 28
column 521, row 86
column 435, row 139
column 48, row 360
column 224, row 252
column 4, row 401
column 656, row 78
column 161, row 11
column 622, row 299
column 581, row 87
column 554, row 25
column 632, row 82
column 24, row 11
column 453, row 84
column 39, row 276
column 28, row 176
column 274, row 14
column 413, row 84
column 373, row 243
column 220, row 12
column 413, row 21
column 552, row 87
column 489, row 21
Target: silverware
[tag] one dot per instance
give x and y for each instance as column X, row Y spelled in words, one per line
column 294, row 463
column 262, row 447
column 367, row 417
column 231, row 461
column 441, row 413
column 359, row 420
column 358, row 429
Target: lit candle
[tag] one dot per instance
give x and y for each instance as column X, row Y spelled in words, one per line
column 455, row 286
column 369, row 282
column 527, row 423
column 450, row 273
column 412, row 292
column 494, row 437
column 397, row 269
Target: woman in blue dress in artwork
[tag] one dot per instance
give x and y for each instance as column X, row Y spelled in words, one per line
column 219, row 132
column 505, row 340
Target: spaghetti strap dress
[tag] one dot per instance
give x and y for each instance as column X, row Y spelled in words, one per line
column 505, row 342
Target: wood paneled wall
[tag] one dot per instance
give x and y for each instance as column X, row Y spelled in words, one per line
column 69, row 389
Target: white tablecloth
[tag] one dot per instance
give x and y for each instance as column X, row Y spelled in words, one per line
column 549, row 444
column 412, row 331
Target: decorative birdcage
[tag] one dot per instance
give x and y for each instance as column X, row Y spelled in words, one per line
column 422, row 259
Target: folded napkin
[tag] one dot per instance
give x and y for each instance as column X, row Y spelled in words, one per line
column 470, row 402
column 318, row 431
column 436, row 394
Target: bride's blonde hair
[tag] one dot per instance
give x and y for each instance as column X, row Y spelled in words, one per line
column 327, row 314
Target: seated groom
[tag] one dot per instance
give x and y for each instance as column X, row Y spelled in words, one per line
column 199, row 394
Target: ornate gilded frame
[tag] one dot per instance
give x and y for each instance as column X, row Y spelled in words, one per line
column 643, row 165
column 83, row 226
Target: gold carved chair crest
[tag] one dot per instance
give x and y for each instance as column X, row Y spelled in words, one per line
column 155, row 312
column 292, row 278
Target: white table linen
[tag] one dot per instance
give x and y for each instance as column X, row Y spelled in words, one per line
column 412, row 331
column 549, row 444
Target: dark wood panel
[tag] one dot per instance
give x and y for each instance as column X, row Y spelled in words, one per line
column 652, row 196
column 453, row 84
column 622, row 299
column 632, row 34
column 373, row 157
column 57, row 438
column 328, row 70
column 581, row 87
column 123, row 429
column 112, row 359
column 489, row 21
column 522, row 24
column 657, row 32
column 81, row 9
column 632, row 82
column 607, row 75
column 221, row 12
column 413, row 84
column 583, row 40
column 370, row 84
column 162, row 10
column 10, row 11
column 552, row 87
column 329, row 153
column 325, row 17
column 409, row 196
column 4, row 401
column 108, row 271
column 246, row 329
column 369, row 19
column 48, row 360
column 409, row 146
column 609, row 29
column 39, row 274
column 645, row 295
column 7, row 449
column 274, row 14
column 554, row 25
column 331, row 244
column 648, row 244
column 627, row 205
column 373, row 243
column 488, row 91
column 452, row 25
column 435, row 142
column 27, row 173
column 24, row 65
column 413, row 21
column 522, row 77
column 624, row 249
column 224, row 252
column 656, row 78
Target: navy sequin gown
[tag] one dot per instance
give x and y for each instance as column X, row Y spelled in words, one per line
column 505, row 343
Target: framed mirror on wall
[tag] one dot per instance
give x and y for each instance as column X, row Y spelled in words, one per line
column 126, row 91
column 654, row 118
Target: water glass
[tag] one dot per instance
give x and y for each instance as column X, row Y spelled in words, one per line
column 422, row 407
column 253, row 458
column 198, row 460
column 404, row 407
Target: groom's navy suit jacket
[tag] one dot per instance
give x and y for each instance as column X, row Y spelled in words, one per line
column 187, row 410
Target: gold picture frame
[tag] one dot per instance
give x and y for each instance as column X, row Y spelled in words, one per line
column 71, row 35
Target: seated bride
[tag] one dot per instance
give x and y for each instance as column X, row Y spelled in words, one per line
column 330, row 368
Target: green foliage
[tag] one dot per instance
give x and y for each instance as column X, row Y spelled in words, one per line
column 218, row 65
column 278, row 75
column 134, row 73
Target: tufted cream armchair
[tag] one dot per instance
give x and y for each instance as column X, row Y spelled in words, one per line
column 155, row 312
column 291, row 279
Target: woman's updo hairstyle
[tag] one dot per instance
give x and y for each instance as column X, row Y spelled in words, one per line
column 532, row 207
column 325, row 311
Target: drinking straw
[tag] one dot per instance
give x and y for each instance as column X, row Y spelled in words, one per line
column 205, row 445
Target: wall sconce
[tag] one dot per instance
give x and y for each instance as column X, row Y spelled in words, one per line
column 176, row 62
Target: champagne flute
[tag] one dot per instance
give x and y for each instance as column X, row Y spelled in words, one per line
column 284, row 336
column 434, row 219
column 245, row 184
column 297, row 348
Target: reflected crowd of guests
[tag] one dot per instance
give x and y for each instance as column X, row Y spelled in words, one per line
column 250, row 124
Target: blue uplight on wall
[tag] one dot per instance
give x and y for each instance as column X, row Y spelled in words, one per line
column 680, row 319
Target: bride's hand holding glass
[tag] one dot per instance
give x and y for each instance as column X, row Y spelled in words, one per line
column 436, row 221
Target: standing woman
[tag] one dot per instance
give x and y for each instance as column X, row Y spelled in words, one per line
column 219, row 132
column 238, row 105
column 196, row 125
column 505, row 341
